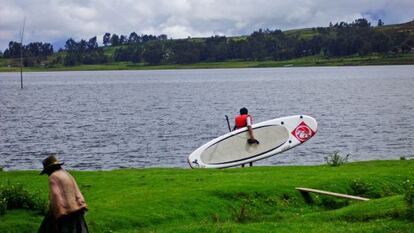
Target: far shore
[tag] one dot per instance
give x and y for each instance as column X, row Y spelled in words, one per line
column 312, row 61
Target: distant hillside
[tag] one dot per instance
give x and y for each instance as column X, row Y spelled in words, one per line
column 307, row 33
column 339, row 40
column 403, row 27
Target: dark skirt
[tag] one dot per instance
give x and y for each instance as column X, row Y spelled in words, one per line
column 71, row 223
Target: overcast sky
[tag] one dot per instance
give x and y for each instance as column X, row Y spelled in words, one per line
column 57, row 20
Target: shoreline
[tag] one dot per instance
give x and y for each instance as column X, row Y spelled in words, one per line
column 186, row 168
column 313, row 61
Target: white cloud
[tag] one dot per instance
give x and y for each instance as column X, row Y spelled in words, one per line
column 54, row 20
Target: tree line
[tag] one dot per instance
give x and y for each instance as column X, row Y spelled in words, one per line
column 33, row 53
column 340, row 39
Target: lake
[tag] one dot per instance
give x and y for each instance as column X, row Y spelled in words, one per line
column 122, row 119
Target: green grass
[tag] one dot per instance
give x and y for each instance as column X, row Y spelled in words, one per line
column 407, row 27
column 403, row 59
column 305, row 33
column 257, row 199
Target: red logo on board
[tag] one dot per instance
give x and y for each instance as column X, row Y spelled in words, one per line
column 303, row 132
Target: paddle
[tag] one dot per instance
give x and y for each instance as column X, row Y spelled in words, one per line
column 228, row 122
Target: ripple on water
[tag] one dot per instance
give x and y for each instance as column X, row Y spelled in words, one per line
column 109, row 120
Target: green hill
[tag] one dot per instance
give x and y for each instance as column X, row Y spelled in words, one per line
column 391, row 28
column 322, row 46
column 404, row 27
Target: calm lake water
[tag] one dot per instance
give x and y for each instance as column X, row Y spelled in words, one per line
column 118, row 119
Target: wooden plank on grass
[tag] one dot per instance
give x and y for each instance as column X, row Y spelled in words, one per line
column 309, row 190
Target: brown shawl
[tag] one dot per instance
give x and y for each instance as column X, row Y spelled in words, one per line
column 64, row 194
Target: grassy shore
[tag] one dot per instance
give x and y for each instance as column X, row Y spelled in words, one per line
column 257, row 199
column 402, row 59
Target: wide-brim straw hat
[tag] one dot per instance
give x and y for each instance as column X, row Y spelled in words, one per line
column 49, row 163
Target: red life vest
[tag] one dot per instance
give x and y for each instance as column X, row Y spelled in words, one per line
column 241, row 121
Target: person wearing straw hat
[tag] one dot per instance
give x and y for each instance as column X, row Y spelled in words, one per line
column 67, row 205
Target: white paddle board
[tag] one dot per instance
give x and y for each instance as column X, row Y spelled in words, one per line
column 275, row 136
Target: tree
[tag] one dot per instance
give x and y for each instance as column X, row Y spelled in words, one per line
column 153, row 53
column 115, row 40
column 122, row 39
column 235, row 49
column 162, row 37
column 133, row 38
column 131, row 53
column 362, row 22
column 215, row 49
column 13, row 51
column 95, row 56
column 71, row 45
column 405, row 48
column 146, row 38
column 381, row 43
column 137, row 55
column 123, row 54
column 106, row 39
column 315, row 44
column 185, row 52
column 257, row 43
column 38, row 50
column 341, row 39
column 92, row 43
column 70, row 59
column 46, row 49
column 83, row 45
column 83, row 52
column 72, row 56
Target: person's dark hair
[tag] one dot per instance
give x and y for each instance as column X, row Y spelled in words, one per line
column 243, row 111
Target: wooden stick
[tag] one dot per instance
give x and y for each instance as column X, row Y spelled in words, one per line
column 306, row 190
column 21, row 53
